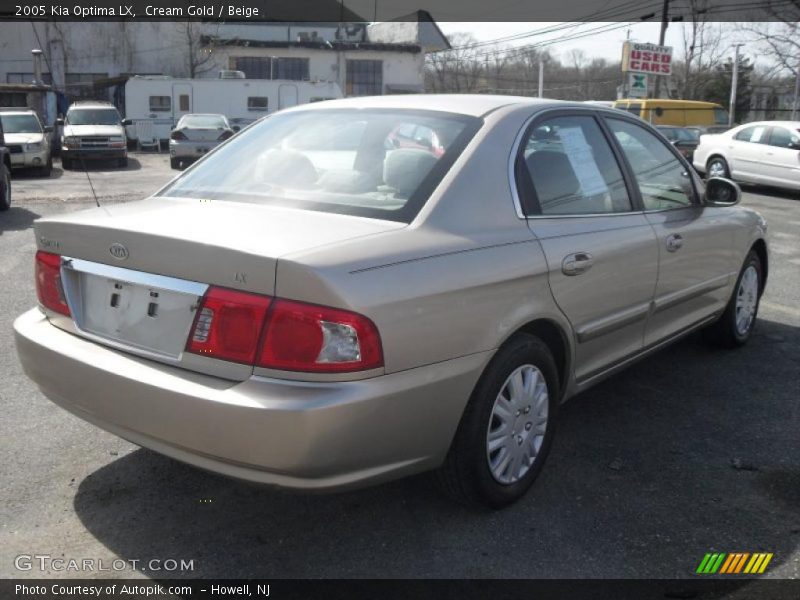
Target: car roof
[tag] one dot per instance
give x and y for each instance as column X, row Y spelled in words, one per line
column 203, row 115
column 92, row 104
column 765, row 123
column 476, row 105
column 17, row 111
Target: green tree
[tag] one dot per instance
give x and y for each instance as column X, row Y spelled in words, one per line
column 719, row 87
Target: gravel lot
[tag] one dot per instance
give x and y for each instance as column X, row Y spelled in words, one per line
column 690, row 451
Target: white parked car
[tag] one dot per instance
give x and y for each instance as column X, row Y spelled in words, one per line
column 28, row 142
column 766, row 152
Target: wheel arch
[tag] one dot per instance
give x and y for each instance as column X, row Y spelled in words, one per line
column 760, row 248
column 556, row 339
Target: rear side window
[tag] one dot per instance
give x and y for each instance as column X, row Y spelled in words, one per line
column 160, row 104
column 571, row 169
column 755, row 135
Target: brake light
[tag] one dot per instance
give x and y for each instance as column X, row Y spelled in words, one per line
column 307, row 337
column 228, row 325
column 177, row 135
column 283, row 334
column 49, row 288
column 225, row 135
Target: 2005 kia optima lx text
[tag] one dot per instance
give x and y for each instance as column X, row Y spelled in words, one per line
column 315, row 305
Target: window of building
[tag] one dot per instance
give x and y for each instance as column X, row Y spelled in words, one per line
column 257, row 103
column 160, row 104
column 27, row 78
column 266, row 67
column 183, row 103
column 13, row 99
column 364, row 78
column 82, row 86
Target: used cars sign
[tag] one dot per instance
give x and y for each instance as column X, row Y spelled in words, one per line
column 646, row 58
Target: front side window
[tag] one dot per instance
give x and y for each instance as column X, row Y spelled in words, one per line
column 781, row 137
column 663, row 180
column 20, row 124
column 93, row 116
column 160, row 104
column 572, row 169
column 337, row 160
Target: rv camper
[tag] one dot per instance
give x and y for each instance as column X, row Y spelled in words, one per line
column 164, row 100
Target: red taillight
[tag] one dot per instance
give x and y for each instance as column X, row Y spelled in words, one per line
column 225, row 135
column 282, row 334
column 307, row 337
column 177, row 134
column 49, row 288
column 228, row 325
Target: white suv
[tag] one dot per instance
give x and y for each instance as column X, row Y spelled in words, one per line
column 93, row 130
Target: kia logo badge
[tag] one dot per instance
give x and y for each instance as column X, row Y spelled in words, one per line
column 118, row 251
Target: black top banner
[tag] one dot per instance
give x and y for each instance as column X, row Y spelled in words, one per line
column 331, row 11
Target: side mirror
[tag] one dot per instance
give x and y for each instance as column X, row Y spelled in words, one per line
column 126, row 122
column 236, row 128
column 59, row 121
column 48, row 129
column 722, row 192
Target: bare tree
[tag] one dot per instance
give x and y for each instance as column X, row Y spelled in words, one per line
column 200, row 46
column 702, row 52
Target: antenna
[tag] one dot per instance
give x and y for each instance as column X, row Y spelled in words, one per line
column 85, row 170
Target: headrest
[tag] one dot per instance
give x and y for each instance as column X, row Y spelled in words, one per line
column 286, row 167
column 405, row 168
column 552, row 175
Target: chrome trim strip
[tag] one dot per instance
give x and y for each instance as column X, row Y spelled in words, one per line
column 131, row 276
column 611, row 323
column 669, row 300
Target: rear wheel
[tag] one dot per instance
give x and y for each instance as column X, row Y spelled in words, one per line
column 5, row 188
column 737, row 322
column 507, row 427
column 718, row 167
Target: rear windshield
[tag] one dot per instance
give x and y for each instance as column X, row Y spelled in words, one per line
column 373, row 163
column 20, row 124
column 203, row 122
column 93, row 116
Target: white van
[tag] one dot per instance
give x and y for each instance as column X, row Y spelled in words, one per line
column 164, row 100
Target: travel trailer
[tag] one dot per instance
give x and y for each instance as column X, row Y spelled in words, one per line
column 164, row 100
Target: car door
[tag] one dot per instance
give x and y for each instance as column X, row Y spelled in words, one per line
column 782, row 157
column 601, row 252
column 695, row 242
column 747, row 152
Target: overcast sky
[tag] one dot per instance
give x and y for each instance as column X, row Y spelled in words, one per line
column 607, row 44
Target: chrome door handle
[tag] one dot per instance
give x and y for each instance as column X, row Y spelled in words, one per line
column 575, row 264
column 674, row 242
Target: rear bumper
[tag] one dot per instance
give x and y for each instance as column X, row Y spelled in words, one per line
column 191, row 150
column 303, row 435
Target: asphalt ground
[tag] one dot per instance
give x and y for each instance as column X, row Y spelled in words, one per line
column 690, row 451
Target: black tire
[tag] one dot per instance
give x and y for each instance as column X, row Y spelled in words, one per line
column 174, row 163
column 5, row 188
column 466, row 475
column 721, row 162
column 725, row 332
column 66, row 164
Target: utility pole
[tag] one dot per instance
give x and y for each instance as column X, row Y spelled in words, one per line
column 541, row 78
column 661, row 37
column 734, row 84
column 796, row 103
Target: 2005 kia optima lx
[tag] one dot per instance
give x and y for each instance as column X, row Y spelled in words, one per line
column 317, row 304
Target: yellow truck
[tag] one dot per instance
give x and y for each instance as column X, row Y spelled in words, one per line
column 675, row 112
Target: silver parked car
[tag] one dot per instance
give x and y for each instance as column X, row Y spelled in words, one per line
column 322, row 317
column 27, row 141
column 195, row 135
column 766, row 152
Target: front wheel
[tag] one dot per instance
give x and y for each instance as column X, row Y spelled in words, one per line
column 507, row 427
column 5, row 188
column 718, row 167
column 737, row 322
